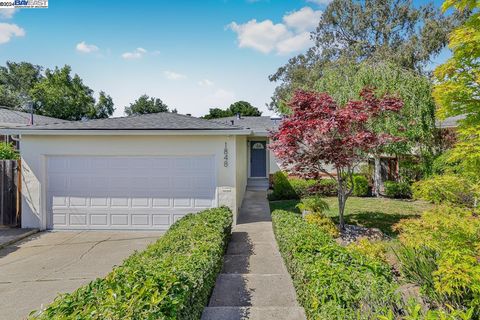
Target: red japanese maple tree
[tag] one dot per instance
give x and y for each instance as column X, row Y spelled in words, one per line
column 320, row 135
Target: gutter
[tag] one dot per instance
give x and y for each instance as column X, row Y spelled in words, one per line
column 89, row 132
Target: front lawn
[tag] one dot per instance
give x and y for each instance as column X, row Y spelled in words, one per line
column 381, row 213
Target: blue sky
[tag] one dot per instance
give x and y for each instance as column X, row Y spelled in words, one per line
column 192, row 54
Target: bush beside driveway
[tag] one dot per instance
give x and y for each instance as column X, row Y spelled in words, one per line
column 171, row 279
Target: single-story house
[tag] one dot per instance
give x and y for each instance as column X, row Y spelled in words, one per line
column 140, row 172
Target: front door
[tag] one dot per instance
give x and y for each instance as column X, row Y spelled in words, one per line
column 258, row 159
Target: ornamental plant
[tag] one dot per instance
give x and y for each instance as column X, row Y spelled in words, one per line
column 321, row 134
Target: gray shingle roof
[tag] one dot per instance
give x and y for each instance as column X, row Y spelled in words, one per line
column 154, row 121
column 11, row 118
column 257, row 124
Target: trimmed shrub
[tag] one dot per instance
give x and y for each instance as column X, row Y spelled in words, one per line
column 285, row 188
column 360, row 186
column 282, row 189
column 375, row 250
column 8, row 152
column 449, row 189
column 398, row 190
column 326, row 188
column 441, row 255
column 323, row 223
column 331, row 281
column 171, row 279
column 303, row 187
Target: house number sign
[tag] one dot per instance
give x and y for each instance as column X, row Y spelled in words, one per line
column 225, row 156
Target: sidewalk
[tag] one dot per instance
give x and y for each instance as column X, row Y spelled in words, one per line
column 254, row 283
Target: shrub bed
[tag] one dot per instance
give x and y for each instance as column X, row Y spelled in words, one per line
column 448, row 189
column 331, row 281
column 398, row 190
column 440, row 254
column 171, row 279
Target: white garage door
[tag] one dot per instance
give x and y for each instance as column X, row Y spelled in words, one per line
column 127, row 192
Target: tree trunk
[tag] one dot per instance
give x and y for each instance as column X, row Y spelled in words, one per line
column 377, row 177
column 341, row 201
column 341, row 210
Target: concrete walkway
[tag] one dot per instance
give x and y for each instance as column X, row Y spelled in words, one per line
column 254, row 283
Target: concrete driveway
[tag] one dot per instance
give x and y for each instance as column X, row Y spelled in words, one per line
column 35, row 270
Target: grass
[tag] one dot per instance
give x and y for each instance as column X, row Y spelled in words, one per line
column 381, row 213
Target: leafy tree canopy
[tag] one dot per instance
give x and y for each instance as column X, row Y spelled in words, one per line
column 104, row 107
column 240, row 107
column 377, row 30
column 458, row 92
column 16, row 80
column 55, row 93
column 458, row 88
column 415, row 123
column 61, row 95
column 321, row 133
column 145, row 105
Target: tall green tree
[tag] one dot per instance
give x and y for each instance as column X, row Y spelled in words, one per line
column 144, row 105
column 457, row 91
column 104, row 107
column 243, row 108
column 16, row 81
column 63, row 96
column 414, row 124
column 376, row 30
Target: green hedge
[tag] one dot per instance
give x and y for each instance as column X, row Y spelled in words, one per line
column 171, row 279
column 360, row 186
column 331, row 281
column 286, row 188
column 398, row 190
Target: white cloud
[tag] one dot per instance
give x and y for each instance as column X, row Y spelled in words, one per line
column 320, row 2
column 170, row 75
column 8, row 30
column 262, row 36
column 305, row 19
column 86, row 48
column 205, row 83
column 282, row 38
column 7, row 13
column 135, row 54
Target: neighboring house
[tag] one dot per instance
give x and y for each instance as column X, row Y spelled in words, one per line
column 139, row 172
column 11, row 118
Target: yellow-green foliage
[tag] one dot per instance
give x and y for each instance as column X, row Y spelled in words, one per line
column 8, row 152
column 375, row 250
column 458, row 89
column 313, row 205
column 454, row 233
column 448, row 189
column 322, row 222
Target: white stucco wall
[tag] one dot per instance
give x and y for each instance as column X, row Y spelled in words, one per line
column 273, row 163
column 35, row 149
column 241, row 168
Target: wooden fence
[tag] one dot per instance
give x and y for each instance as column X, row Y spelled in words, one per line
column 10, row 188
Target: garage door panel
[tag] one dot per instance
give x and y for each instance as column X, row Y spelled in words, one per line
column 161, row 202
column 127, row 192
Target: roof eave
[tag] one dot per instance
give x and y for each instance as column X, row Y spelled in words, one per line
column 101, row 132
